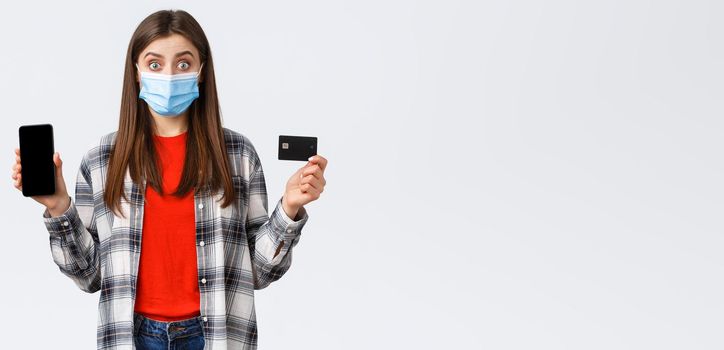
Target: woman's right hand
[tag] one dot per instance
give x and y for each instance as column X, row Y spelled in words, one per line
column 56, row 203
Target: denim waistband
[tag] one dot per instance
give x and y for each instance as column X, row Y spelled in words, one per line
column 167, row 329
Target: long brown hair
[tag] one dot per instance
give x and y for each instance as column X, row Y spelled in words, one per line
column 206, row 163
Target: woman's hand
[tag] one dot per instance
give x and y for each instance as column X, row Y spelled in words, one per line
column 56, row 203
column 305, row 185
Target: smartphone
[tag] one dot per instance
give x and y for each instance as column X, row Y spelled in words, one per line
column 297, row 147
column 36, row 159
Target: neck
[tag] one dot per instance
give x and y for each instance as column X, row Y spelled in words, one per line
column 170, row 126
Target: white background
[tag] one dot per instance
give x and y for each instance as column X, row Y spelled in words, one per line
column 502, row 174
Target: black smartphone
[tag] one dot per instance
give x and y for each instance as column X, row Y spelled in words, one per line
column 36, row 159
column 297, row 147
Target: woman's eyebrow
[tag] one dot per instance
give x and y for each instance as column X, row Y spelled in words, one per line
column 177, row 55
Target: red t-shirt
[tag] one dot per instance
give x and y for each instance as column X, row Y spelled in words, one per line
column 167, row 288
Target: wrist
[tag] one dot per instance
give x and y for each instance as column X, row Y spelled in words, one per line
column 59, row 207
column 290, row 210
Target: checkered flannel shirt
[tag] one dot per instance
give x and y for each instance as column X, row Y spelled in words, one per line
column 235, row 247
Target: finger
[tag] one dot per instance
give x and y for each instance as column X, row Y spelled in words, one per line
column 311, row 170
column 306, row 187
column 319, row 160
column 17, row 167
column 312, row 193
column 318, row 174
column 315, row 170
column 17, row 151
column 315, row 181
column 17, row 159
column 311, row 182
column 58, row 165
column 56, row 159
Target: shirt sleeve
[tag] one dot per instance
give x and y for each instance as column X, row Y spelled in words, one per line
column 266, row 234
column 74, row 238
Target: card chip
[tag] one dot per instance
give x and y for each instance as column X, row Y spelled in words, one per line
column 285, row 145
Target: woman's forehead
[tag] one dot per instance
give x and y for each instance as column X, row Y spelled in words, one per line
column 169, row 47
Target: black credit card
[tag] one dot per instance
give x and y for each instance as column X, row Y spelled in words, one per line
column 297, row 147
column 36, row 159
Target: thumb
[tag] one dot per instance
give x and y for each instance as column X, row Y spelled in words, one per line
column 58, row 164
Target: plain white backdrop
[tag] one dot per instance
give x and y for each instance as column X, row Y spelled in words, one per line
column 502, row 174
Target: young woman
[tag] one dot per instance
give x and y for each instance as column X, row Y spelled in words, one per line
column 170, row 218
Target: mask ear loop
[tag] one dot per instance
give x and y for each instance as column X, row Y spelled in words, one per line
column 199, row 72
column 140, row 74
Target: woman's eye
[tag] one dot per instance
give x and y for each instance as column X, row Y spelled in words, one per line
column 183, row 65
column 154, row 65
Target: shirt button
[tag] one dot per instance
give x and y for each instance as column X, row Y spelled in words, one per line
column 65, row 223
column 203, row 280
column 202, row 243
column 205, row 319
column 289, row 230
column 201, row 206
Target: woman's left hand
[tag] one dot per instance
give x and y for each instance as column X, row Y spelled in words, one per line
column 305, row 185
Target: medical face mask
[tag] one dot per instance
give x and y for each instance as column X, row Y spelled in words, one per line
column 169, row 94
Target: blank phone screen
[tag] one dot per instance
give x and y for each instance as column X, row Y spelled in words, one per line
column 36, row 159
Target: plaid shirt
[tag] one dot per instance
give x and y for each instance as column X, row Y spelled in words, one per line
column 235, row 247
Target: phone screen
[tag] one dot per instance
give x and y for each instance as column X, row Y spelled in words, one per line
column 36, row 159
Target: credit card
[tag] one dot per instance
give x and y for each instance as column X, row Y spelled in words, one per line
column 297, row 147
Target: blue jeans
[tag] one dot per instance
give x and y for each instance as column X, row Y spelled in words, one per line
column 149, row 334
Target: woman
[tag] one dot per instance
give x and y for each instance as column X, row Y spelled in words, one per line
column 173, row 183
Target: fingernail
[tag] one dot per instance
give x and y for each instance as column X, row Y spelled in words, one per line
column 310, row 158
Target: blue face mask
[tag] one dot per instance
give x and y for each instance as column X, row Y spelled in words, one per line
column 169, row 95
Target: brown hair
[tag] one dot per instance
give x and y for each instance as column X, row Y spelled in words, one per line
column 206, row 162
